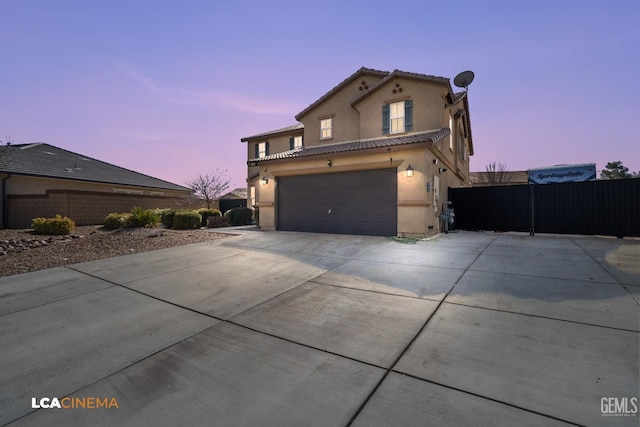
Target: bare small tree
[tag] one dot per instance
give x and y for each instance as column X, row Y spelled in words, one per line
column 495, row 174
column 210, row 185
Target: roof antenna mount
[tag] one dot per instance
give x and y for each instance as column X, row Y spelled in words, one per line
column 463, row 79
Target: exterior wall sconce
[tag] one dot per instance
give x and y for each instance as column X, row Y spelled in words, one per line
column 409, row 171
column 440, row 170
column 264, row 180
column 329, row 163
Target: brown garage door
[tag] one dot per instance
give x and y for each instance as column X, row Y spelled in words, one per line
column 363, row 202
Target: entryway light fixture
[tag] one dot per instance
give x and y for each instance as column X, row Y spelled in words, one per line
column 264, row 180
column 409, row 171
column 440, row 170
column 329, row 163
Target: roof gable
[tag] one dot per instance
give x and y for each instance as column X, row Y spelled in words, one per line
column 397, row 74
column 358, row 74
column 48, row 161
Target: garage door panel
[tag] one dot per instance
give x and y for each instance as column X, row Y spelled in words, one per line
column 363, row 202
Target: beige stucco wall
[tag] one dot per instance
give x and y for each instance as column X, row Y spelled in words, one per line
column 417, row 213
column 85, row 202
column 427, row 105
column 417, row 210
column 346, row 119
column 19, row 184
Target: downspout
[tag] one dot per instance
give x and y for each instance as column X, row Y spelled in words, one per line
column 5, row 198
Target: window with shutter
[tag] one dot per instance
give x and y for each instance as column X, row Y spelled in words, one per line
column 385, row 119
column 408, row 115
column 262, row 149
column 326, row 128
column 295, row 142
column 397, row 117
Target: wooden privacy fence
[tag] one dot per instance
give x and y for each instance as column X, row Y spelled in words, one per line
column 606, row 207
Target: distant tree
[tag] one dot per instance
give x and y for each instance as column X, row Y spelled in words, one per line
column 495, row 174
column 210, row 185
column 616, row 170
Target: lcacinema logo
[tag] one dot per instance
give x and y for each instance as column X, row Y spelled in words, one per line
column 74, row 403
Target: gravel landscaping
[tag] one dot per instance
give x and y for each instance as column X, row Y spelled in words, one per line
column 22, row 251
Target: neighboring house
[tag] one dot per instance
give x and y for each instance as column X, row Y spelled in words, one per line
column 40, row 180
column 488, row 178
column 233, row 199
column 375, row 155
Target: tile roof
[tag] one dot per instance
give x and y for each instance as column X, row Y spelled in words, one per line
column 45, row 160
column 274, row 132
column 431, row 136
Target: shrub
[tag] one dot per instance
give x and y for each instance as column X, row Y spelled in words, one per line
column 116, row 220
column 216, row 222
column 167, row 218
column 50, row 226
column 206, row 213
column 239, row 216
column 143, row 218
column 185, row 220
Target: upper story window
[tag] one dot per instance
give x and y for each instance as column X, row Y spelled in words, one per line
column 397, row 117
column 326, row 128
column 295, row 142
column 262, row 150
column 451, row 133
column 460, row 144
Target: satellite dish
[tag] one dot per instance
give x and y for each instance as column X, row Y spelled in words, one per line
column 463, row 79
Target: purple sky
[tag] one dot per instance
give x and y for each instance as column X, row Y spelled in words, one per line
column 168, row 88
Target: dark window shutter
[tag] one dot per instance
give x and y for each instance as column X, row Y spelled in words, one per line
column 408, row 115
column 266, row 148
column 386, row 121
column 257, row 150
column 291, row 143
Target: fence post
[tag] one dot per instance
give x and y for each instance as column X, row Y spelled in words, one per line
column 532, row 226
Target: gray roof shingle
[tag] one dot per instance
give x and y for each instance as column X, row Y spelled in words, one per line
column 416, row 138
column 45, row 160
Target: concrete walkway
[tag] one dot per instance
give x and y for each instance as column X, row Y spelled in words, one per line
column 291, row 329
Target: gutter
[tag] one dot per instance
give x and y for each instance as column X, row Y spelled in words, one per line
column 5, row 207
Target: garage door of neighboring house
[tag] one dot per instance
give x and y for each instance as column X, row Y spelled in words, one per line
column 362, row 202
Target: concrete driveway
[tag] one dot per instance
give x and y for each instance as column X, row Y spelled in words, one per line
column 291, row 329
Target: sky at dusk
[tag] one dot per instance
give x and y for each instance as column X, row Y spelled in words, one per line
column 168, row 88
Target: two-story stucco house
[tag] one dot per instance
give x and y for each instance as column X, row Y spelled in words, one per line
column 375, row 156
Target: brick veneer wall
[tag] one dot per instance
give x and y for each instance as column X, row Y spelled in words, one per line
column 84, row 207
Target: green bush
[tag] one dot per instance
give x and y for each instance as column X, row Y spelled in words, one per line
column 51, row 226
column 216, row 222
column 186, row 220
column 116, row 220
column 167, row 218
column 143, row 218
column 239, row 216
column 206, row 213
